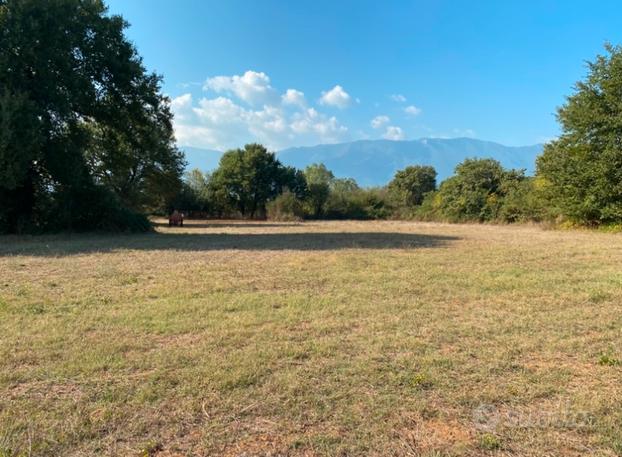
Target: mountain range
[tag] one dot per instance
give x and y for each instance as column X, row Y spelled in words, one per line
column 374, row 162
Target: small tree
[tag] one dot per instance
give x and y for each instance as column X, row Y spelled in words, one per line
column 319, row 180
column 410, row 185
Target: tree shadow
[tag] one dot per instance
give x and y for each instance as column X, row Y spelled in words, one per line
column 193, row 224
column 304, row 241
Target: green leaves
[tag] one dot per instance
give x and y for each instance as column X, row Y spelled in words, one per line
column 410, row 185
column 78, row 111
column 584, row 166
column 247, row 178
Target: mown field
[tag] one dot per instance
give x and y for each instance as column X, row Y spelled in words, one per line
column 312, row 339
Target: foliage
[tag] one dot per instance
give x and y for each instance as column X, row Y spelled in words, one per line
column 349, row 201
column 248, row 178
column 584, row 165
column 80, row 118
column 285, row 207
column 524, row 200
column 475, row 193
column 343, row 201
column 410, row 185
column 319, row 180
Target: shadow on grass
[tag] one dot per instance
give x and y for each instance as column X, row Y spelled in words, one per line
column 234, row 224
column 89, row 243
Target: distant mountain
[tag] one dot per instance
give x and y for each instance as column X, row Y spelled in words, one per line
column 374, row 162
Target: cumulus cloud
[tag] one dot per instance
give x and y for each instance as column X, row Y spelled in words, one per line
column 252, row 87
column 393, row 133
column 412, row 110
column 336, row 97
column 379, row 121
column 398, row 98
column 220, row 123
column 293, row 97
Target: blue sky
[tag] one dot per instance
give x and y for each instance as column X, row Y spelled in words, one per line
column 307, row 72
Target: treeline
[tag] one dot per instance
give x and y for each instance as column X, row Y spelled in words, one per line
column 578, row 177
column 86, row 143
column 252, row 183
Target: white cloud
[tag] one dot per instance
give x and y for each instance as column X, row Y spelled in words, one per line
column 220, row 123
column 398, row 98
column 311, row 122
column 412, row 110
column 468, row 133
column 379, row 121
column 336, row 97
column 182, row 107
column 393, row 133
column 293, row 97
column 252, row 87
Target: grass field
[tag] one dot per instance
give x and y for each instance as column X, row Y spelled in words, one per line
column 313, row 339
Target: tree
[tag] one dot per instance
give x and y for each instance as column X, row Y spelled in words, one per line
column 319, row 180
column 20, row 141
column 138, row 162
column 250, row 177
column 85, row 133
column 194, row 193
column 410, row 185
column 475, row 192
column 583, row 167
column 294, row 181
column 344, row 200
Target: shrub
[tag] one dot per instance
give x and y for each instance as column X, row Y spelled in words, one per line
column 96, row 209
column 285, row 207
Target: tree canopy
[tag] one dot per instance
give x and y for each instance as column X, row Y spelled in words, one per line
column 85, row 134
column 583, row 167
column 319, row 180
column 410, row 185
column 248, row 178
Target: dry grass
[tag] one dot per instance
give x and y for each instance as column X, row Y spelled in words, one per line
column 314, row 339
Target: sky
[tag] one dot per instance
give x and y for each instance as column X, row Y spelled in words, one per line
column 301, row 73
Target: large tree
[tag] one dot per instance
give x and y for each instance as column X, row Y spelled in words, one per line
column 252, row 176
column 84, row 130
column 583, row 167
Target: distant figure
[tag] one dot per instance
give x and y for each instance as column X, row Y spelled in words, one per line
column 176, row 219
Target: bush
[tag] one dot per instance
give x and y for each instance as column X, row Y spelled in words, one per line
column 524, row 201
column 482, row 191
column 285, row 207
column 96, row 209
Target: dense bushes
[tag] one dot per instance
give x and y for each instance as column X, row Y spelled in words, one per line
column 285, row 207
column 481, row 190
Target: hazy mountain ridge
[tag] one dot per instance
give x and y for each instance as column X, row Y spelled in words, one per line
column 374, row 162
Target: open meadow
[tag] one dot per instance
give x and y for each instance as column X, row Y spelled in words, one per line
column 227, row 338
